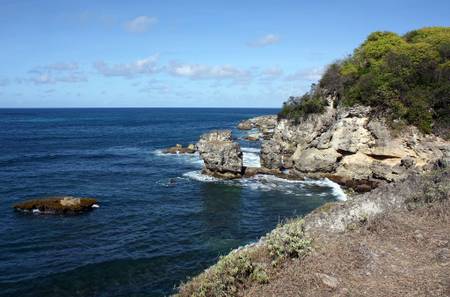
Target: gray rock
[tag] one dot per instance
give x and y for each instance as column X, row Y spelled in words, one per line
column 222, row 156
column 271, row 155
column 328, row 280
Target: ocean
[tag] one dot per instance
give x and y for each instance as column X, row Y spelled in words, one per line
column 160, row 220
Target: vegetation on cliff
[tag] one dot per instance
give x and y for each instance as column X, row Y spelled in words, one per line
column 404, row 77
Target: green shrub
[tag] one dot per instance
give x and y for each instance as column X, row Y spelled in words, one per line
column 298, row 108
column 288, row 241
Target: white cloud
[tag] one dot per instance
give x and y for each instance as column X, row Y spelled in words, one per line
column 54, row 73
column 48, row 78
column 140, row 24
column 311, row 74
column 139, row 67
column 202, row 71
column 265, row 40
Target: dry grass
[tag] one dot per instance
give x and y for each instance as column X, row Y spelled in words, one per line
column 400, row 254
column 404, row 251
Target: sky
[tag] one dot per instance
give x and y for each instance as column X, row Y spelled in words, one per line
column 180, row 53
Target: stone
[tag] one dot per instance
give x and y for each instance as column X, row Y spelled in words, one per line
column 315, row 160
column 57, row 205
column 328, row 280
column 245, row 125
column 380, row 131
column 443, row 255
column 222, row 157
column 271, row 155
column 349, row 135
column 407, row 162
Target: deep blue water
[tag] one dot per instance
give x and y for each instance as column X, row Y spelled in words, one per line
column 159, row 222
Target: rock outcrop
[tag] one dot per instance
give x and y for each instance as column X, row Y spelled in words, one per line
column 222, row 156
column 265, row 125
column 350, row 146
column 57, row 205
column 261, row 123
column 179, row 149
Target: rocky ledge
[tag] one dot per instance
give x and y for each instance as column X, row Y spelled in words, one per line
column 264, row 124
column 57, row 205
column 351, row 146
column 222, row 156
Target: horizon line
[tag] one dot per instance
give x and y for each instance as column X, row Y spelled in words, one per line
column 136, row 107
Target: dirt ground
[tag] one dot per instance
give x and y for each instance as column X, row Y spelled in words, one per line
column 404, row 253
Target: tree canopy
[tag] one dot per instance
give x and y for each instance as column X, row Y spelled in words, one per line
column 405, row 77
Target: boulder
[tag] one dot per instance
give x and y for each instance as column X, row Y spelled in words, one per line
column 315, row 160
column 222, row 157
column 57, row 205
column 245, row 125
column 271, row 154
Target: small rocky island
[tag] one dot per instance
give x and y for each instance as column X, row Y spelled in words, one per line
column 57, row 205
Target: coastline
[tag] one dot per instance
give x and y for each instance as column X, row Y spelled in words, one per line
column 251, row 268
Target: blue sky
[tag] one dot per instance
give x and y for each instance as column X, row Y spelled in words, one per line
column 184, row 53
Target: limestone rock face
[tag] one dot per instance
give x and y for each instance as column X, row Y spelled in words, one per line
column 352, row 144
column 315, row 160
column 222, row 156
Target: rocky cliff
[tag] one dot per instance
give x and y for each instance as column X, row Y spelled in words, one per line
column 351, row 146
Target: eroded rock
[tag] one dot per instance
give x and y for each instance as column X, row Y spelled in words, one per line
column 222, row 157
column 57, row 205
column 354, row 145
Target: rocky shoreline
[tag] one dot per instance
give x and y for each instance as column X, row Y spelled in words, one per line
column 353, row 147
column 350, row 146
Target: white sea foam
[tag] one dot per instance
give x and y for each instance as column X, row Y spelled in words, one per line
column 251, row 157
column 267, row 183
column 191, row 158
column 198, row 176
column 251, row 150
column 336, row 189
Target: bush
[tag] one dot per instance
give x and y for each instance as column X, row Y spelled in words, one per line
column 288, row 241
column 297, row 108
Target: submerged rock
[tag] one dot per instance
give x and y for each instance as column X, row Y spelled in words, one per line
column 57, row 205
column 222, row 156
column 179, row 149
